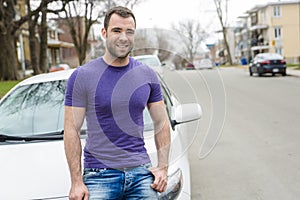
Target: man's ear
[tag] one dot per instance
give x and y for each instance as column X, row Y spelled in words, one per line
column 103, row 32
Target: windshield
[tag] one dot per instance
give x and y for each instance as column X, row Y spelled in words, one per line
column 39, row 109
column 33, row 109
column 152, row 62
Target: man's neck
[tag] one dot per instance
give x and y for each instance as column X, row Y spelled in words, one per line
column 116, row 62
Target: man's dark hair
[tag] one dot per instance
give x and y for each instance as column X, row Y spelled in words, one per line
column 119, row 10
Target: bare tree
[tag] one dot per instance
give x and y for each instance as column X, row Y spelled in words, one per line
column 82, row 14
column 163, row 43
column 43, row 32
column 191, row 36
column 38, row 56
column 143, row 44
column 32, row 23
column 127, row 3
column 9, row 30
column 223, row 20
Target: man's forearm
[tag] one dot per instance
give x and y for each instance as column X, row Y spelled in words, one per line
column 161, row 131
column 73, row 153
column 73, row 121
column 162, row 141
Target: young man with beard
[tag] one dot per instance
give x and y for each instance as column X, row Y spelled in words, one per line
column 111, row 92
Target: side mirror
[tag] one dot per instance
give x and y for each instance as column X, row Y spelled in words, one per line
column 184, row 113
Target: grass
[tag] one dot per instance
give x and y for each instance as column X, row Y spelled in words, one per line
column 5, row 86
column 294, row 66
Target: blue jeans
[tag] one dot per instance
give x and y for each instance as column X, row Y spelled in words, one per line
column 117, row 184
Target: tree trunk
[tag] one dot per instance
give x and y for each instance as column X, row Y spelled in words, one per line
column 43, row 45
column 33, row 49
column 227, row 45
column 8, row 58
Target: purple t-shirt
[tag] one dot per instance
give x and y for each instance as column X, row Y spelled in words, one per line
column 114, row 98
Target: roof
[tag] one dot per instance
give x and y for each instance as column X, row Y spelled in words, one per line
column 283, row 2
column 259, row 48
column 258, row 7
column 57, row 43
column 145, row 56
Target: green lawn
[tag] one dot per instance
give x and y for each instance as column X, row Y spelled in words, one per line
column 5, row 86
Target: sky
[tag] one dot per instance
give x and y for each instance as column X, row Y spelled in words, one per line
column 162, row 13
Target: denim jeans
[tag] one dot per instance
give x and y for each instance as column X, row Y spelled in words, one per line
column 117, row 184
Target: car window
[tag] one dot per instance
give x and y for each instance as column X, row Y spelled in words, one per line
column 39, row 109
column 274, row 56
column 167, row 99
column 152, row 62
column 33, row 109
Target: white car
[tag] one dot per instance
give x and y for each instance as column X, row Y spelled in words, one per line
column 152, row 61
column 33, row 163
column 205, row 63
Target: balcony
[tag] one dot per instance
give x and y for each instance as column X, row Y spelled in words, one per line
column 258, row 27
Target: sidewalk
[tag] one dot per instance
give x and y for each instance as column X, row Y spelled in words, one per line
column 292, row 72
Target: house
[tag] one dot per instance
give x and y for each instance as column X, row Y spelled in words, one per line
column 59, row 51
column 95, row 43
column 273, row 27
column 59, row 42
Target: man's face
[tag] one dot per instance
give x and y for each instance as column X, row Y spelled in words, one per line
column 119, row 36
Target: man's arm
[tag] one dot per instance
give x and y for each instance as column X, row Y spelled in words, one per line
column 74, row 117
column 160, row 120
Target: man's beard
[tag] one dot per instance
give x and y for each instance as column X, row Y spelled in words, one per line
column 113, row 52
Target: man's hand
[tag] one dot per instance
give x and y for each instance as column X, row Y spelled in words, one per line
column 79, row 192
column 160, row 178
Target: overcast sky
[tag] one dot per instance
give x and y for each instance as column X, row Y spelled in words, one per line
column 162, row 13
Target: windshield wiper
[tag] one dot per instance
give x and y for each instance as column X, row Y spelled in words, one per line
column 50, row 136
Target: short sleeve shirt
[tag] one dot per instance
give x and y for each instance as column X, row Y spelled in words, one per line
column 115, row 99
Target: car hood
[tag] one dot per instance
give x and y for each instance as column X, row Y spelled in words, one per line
column 39, row 170
column 33, row 171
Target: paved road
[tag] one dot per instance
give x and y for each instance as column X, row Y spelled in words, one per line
column 257, row 122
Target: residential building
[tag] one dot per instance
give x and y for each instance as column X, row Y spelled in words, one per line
column 57, row 48
column 55, row 45
column 242, row 45
column 273, row 27
column 22, row 42
column 95, row 43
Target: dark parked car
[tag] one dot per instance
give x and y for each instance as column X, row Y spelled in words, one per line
column 267, row 63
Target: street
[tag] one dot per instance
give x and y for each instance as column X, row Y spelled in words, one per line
column 246, row 146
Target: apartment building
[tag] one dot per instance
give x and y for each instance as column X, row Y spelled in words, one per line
column 273, row 27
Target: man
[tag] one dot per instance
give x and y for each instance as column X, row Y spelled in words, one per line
column 111, row 92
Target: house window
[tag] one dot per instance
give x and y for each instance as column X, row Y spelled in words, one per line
column 278, row 50
column 276, row 11
column 263, row 17
column 277, row 33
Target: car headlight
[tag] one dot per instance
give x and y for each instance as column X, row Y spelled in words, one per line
column 174, row 186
